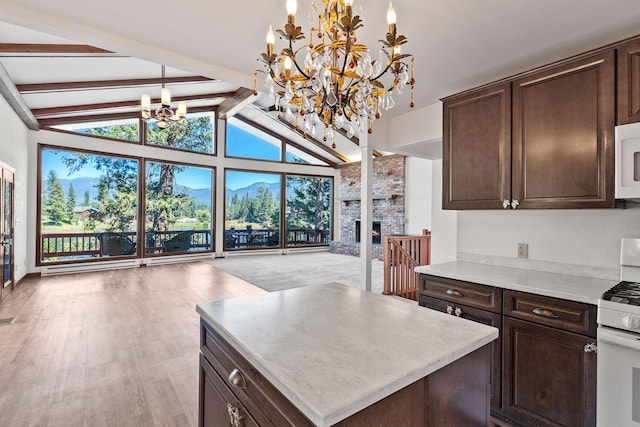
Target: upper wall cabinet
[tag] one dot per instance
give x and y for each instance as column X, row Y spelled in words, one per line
column 477, row 149
column 563, row 135
column 628, row 83
column 543, row 139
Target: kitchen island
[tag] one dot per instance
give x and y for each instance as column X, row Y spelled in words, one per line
column 331, row 354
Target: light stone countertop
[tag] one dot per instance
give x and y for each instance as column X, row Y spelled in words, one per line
column 574, row 288
column 333, row 350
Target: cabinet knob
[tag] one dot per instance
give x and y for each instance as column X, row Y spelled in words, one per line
column 514, row 204
column 545, row 312
column 236, row 379
column 235, row 417
column 591, row 348
column 458, row 311
column 454, row 293
column 449, row 309
column 506, row 204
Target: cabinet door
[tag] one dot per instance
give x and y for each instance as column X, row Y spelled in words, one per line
column 563, row 135
column 218, row 406
column 480, row 316
column 549, row 378
column 628, row 83
column 477, row 149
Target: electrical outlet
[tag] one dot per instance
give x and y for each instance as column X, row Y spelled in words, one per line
column 523, row 250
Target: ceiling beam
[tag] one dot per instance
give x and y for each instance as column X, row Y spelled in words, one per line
column 103, row 117
column 99, row 84
column 356, row 141
column 15, row 101
column 51, row 48
column 53, row 111
column 287, row 140
column 237, row 102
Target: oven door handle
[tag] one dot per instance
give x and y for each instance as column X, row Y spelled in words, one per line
column 622, row 339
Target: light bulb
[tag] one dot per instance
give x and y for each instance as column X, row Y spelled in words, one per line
column 182, row 109
column 348, row 2
column 287, row 63
column 391, row 15
column 165, row 96
column 270, row 36
column 145, row 106
column 291, row 10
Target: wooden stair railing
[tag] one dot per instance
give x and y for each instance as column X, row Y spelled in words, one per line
column 402, row 254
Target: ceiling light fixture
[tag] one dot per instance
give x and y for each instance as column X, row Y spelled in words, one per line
column 163, row 115
column 334, row 82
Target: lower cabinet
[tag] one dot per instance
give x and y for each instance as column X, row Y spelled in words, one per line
column 234, row 393
column 544, row 363
column 549, row 378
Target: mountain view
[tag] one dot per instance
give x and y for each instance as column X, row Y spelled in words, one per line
column 201, row 195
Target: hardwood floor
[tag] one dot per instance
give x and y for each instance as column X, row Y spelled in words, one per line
column 114, row 348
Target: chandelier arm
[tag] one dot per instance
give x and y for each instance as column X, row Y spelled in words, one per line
column 293, row 59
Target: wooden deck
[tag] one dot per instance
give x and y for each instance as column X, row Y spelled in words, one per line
column 115, row 348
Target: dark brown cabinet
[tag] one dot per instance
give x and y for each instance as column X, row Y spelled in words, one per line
column 550, row 362
column 477, row 149
column 544, row 362
column 234, row 393
column 628, row 82
column 542, row 139
column 474, row 302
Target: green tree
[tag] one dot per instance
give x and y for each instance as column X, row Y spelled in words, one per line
column 54, row 204
column 310, row 202
column 86, row 196
column 71, row 201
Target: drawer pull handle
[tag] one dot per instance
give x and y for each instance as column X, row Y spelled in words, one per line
column 591, row 348
column 236, row 379
column 235, row 417
column 545, row 312
column 458, row 311
column 449, row 309
column 455, row 293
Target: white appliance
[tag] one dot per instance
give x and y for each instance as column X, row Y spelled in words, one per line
column 618, row 401
column 627, row 161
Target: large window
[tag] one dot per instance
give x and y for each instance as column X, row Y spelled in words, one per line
column 308, row 214
column 197, row 134
column 124, row 130
column 248, row 142
column 88, row 205
column 178, row 208
column 252, row 209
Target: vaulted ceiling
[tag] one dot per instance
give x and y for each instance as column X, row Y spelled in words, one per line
column 457, row 44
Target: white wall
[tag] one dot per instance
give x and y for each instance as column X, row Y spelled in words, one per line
column 14, row 149
column 444, row 231
column 417, row 195
column 588, row 237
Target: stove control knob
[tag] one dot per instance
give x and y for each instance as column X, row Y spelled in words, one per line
column 631, row 322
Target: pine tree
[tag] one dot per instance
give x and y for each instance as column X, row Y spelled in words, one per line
column 71, row 201
column 86, row 198
column 55, row 205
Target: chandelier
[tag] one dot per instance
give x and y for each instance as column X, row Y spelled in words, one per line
column 334, row 82
column 163, row 115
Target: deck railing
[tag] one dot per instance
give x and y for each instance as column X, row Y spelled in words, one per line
column 402, row 254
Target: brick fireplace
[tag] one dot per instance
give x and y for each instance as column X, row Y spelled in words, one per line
column 388, row 204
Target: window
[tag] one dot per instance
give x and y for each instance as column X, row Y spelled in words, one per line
column 308, row 217
column 197, row 134
column 125, row 130
column 88, row 205
column 248, row 142
column 178, row 206
column 252, row 210
column 295, row 155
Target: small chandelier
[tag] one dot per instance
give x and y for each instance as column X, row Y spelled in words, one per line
column 335, row 82
column 163, row 115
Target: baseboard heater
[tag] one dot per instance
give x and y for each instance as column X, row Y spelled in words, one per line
column 176, row 259
column 92, row 266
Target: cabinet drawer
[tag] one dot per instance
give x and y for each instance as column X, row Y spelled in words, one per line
column 459, row 292
column 258, row 395
column 567, row 315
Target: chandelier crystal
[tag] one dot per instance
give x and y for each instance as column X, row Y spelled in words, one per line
column 163, row 115
column 334, row 82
